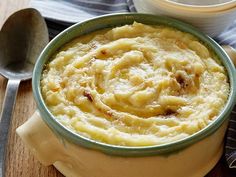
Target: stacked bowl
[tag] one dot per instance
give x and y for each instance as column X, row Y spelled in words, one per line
column 211, row 16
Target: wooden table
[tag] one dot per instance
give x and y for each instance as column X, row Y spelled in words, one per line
column 20, row 162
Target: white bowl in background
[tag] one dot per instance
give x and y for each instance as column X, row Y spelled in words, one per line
column 199, row 6
column 210, row 22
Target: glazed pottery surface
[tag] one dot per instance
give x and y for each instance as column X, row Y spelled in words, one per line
column 75, row 155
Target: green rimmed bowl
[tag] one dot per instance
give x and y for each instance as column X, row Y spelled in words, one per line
column 191, row 150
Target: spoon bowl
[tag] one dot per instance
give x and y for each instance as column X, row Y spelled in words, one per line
column 22, row 38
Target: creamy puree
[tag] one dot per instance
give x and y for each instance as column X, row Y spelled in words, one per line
column 135, row 85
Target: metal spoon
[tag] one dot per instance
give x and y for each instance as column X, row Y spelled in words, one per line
column 22, row 38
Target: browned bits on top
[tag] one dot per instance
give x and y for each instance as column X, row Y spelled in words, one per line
column 62, row 84
column 103, row 52
column 169, row 111
column 110, row 114
column 55, row 89
column 180, row 44
column 180, row 80
column 183, row 79
column 88, row 95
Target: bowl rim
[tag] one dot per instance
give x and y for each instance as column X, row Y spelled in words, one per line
column 182, row 12
column 66, row 134
column 216, row 8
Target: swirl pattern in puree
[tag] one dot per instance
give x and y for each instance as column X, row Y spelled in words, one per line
column 135, row 85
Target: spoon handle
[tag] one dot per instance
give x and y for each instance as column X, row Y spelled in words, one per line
column 5, row 120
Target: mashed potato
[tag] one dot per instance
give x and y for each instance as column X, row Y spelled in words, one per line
column 135, row 85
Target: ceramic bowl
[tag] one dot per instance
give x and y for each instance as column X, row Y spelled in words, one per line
column 211, row 20
column 199, row 6
column 77, row 156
